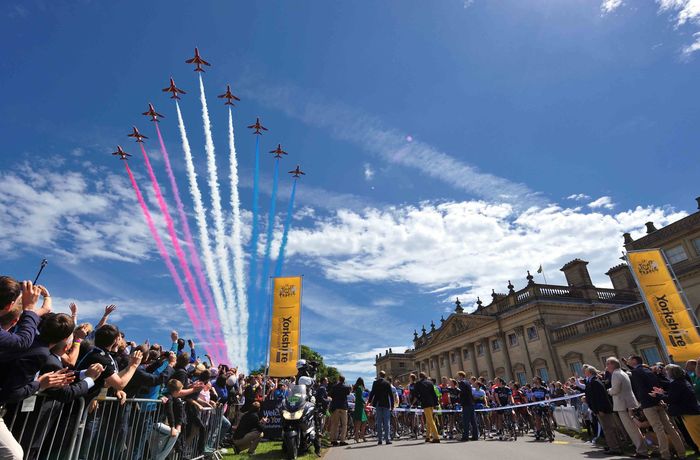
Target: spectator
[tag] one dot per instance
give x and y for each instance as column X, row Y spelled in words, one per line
column 466, row 400
column 425, row 391
column 339, row 411
column 359, row 415
column 600, row 404
column 249, row 431
column 624, row 402
column 382, row 398
column 643, row 383
column 681, row 401
column 24, row 295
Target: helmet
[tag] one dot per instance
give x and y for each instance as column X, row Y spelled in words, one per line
column 301, row 363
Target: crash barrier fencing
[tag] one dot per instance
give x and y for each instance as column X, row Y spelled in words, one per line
column 107, row 429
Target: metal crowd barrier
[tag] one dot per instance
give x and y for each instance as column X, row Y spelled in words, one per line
column 105, row 429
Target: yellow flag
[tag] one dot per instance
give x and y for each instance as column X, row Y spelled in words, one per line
column 666, row 307
column 286, row 326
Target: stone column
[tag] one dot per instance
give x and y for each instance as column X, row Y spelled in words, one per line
column 520, row 331
column 506, row 353
column 459, row 365
column 489, row 359
column 472, row 355
column 553, row 357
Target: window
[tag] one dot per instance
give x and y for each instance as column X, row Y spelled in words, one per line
column 442, row 362
column 480, row 349
column 432, row 364
column 522, row 378
column 496, row 345
column 696, row 244
column 453, row 358
column 532, row 333
column 543, row 374
column 576, row 368
column 650, row 355
column 402, row 364
column 512, row 340
column 465, row 353
column 676, row 254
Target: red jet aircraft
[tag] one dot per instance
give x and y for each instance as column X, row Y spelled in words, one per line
column 173, row 89
column 122, row 154
column 297, row 172
column 136, row 134
column 152, row 113
column 227, row 95
column 198, row 61
column 278, row 151
column 257, row 127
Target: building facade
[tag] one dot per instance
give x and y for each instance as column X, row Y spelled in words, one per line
column 550, row 330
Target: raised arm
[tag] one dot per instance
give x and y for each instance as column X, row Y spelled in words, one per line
column 118, row 381
column 108, row 311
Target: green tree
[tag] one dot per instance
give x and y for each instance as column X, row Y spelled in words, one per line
column 310, row 354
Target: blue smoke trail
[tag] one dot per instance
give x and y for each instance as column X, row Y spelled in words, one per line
column 252, row 289
column 265, row 282
column 285, row 234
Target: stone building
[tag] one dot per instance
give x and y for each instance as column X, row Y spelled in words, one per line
column 550, row 330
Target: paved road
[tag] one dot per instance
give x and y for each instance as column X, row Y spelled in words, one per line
column 563, row 448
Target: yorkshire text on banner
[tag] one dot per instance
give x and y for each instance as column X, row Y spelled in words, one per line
column 286, row 326
column 667, row 308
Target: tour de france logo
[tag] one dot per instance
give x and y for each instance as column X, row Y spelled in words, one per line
column 288, row 290
column 647, row 267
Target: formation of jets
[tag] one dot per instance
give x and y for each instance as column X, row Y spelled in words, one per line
column 137, row 135
column 151, row 112
column 173, row 89
column 278, row 152
column 197, row 60
column 122, row 154
column 257, row 127
column 228, row 96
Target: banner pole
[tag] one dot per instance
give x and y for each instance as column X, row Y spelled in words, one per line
column 650, row 312
column 269, row 328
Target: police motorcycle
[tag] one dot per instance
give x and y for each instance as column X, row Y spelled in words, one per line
column 299, row 414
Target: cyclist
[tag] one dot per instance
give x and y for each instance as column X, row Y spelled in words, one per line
column 503, row 396
column 522, row 414
column 539, row 393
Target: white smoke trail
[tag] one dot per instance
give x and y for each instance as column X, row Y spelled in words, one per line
column 237, row 242
column 230, row 312
column 207, row 256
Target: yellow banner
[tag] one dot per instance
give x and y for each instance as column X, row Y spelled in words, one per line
column 286, row 326
column 666, row 306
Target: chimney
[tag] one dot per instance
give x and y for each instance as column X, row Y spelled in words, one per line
column 628, row 238
column 650, row 227
column 577, row 274
column 698, row 200
column 621, row 277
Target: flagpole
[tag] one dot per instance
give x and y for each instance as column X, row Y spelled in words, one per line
column 541, row 270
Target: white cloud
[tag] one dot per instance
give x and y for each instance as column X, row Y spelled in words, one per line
column 392, row 146
column 467, row 247
column 578, row 197
column 608, row 6
column 369, row 172
column 685, row 10
column 604, row 202
column 693, row 47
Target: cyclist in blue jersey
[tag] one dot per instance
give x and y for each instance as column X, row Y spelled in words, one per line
column 539, row 393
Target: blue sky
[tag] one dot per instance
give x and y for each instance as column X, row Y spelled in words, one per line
column 450, row 146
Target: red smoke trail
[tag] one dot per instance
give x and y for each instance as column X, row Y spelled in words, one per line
column 163, row 251
column 178, row 250
column 187, row 234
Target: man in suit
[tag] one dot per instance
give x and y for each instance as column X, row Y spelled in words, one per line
column 425, row 391
column 600, row 404
column 382, row 398
column 624, row 402
column 643, row 383
column 466, row 400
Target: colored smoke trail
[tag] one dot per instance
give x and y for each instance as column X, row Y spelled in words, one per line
column 252, row 290
column 164, row 252
column 237, row 240
column 187, row 234
column 201, row 220
column 285, row 233
column 179, row 253
column 265, row 282
column 230, row 312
